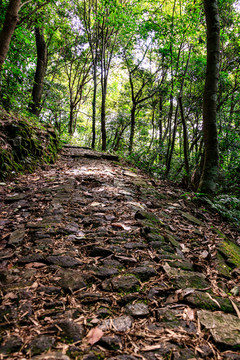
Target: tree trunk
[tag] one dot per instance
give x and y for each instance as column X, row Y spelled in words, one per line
column 10, row 22
column 210, row 168
column 160, row 126
column 71, row 120
column 132, row 130
column 35, row 106
column 185, row 140
column 103, row 115
column 168, row 130
column 94, row 102
column 169, row 159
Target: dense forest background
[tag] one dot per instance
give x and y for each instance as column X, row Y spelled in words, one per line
column 127, row 76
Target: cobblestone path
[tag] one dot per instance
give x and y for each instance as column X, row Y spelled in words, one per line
column 99, row 261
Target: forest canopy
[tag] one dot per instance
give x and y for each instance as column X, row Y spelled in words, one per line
column 127, row 76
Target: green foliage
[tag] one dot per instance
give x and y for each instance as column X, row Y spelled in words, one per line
column 226, row 205
column 153, row 43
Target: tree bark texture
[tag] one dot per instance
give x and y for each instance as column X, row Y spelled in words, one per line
column 10, row 22
column 185, row 140
column 103, row 117
column 132, row 129
column 210, row 168
column 42, row 54
column 94, row 102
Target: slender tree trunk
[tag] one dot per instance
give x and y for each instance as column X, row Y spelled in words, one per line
column 103, row 114
column 94, row 101
column 35, row 106
column 10, row 22
column 169, row 160
column 185, row 140
column 132, row 129
column 211, row 155
column 160, row 127
column 168, row 130
column 71, row 120
column 153, row 127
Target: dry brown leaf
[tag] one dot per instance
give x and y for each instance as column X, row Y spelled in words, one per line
column 204, row 254
column 34, row 285
column 11, row 296
column 94, row 335
column 34, row 265
column 188, row 314
column 122, row 226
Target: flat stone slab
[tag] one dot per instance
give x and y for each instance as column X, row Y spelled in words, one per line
column 185, row 279
column 12, row 344
column 181, row 264
column 224, row 328
column 125, row 283
column 153, row 237
column 144, row 272
column 135, row 245
column 172, row 318
column 98, row 251
column 104, row 272
column 15, row 197
column 17, row 237
column 207, row 301
column 64, row 261
column 41, row 343
column 192, row 218
column 71, row 280
column 121, row 324
column 93, row 298
column 69, row 329
column 137, row 310
column 31, row 258
column 230, row 251
column 145, row 215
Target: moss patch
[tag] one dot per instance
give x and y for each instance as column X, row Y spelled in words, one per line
column 222, row 267
column 24, row 144
column 209, row 302
column 230, row 251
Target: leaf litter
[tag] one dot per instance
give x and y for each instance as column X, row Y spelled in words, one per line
column 94, row 195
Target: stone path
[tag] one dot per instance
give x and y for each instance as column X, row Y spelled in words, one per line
column 100, row 262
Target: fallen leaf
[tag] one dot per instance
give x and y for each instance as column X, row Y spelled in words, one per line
column 34, row 285
column 34, row 265
column 188, row 314
column 122, row 226
column 11, row 296
column 94, row 335
column 204, row 254
column 95, row 204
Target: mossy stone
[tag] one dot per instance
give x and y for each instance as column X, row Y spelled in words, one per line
column 222, row 267
column 145, row 215
column 172, row 240
column 182, row 279
column 230, row 251
column 224, row 328
column 207, row 301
